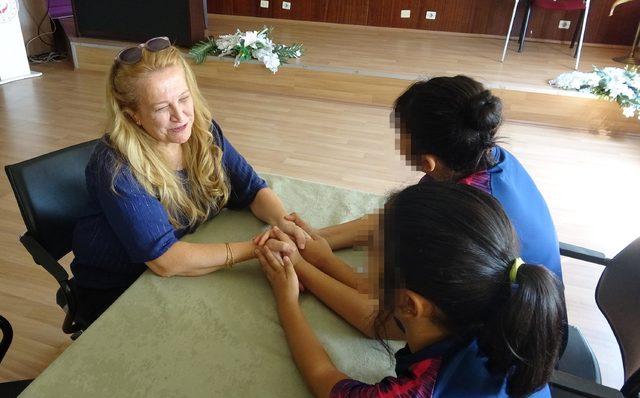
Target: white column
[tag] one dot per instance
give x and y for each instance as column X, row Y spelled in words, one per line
column 13, row 56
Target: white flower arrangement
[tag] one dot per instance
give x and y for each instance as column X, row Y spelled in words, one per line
column 614, row 84
column 247, row 45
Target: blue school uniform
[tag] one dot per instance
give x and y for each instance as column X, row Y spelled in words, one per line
column 452, row 368
column 508, row 182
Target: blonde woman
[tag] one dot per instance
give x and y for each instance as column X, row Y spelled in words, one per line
column 163, row 168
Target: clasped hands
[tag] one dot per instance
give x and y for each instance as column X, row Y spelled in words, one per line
column 281, row 249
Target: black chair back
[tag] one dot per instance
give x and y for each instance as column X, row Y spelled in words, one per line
column 618, row 297
column 51, row 194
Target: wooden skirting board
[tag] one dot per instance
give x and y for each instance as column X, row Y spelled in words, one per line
column 537, row 105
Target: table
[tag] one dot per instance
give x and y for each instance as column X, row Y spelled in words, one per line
column 216, row 335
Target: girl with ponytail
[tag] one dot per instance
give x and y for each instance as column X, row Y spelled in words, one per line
column 478, row 321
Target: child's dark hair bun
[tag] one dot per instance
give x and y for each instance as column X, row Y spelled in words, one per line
column 454, row 118
column 484, row 113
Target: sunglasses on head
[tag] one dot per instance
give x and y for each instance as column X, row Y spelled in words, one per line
column 133, row 55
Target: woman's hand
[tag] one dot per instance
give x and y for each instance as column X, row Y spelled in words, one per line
column 281, row 275
column 279, row 241
column 289, row 227
column 296, row 219
column 317, row 250
column 280, row 245
column 270, row 239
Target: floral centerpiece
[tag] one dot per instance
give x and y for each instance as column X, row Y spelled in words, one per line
column 247, row 45
column 614, row 84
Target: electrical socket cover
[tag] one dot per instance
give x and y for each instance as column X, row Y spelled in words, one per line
column 564, row 24
column 264, row 3
column 430, row 15
column 405, row 14
column 286, row 5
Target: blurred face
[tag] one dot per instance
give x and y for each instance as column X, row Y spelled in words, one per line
column 374, row 268
column 403, row 145
column 403, row 140
column 426, row 163
column 376, row 265
column 165, row 107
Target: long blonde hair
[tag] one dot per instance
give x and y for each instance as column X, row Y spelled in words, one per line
column 207, row 188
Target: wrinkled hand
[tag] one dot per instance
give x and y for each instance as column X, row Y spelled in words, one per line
column 317, row 250
column 269, row 239
column 289, row 226
column 280, row 245
column 296, row 219
column 292, row 229
column 278, row 239
column 281, row 275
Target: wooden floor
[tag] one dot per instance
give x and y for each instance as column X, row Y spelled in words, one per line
column 589, row 181
column 412, row 54
column 339, row 65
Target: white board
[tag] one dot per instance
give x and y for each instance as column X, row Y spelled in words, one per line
column 13, row 56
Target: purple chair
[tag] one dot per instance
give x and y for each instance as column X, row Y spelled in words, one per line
column 60, row 9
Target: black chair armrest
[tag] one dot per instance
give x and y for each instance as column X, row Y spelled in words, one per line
column 43, row 258
column 7, row 336
column 53, row 267
column 580, row 253
column 582, row 387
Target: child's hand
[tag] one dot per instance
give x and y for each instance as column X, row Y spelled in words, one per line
column 276, row 242
column 317, row 251
column 282, row 243
column 281, row 276
column 292, row 226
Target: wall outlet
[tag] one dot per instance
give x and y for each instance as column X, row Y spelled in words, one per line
column 564, row 24
column 431, row 15
column 264, row 3
column 405, row 14
column 286, row 5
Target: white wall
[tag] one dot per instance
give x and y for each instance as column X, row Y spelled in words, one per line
column 29, row 29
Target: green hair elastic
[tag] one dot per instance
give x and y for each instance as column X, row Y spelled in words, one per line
column 513, row 271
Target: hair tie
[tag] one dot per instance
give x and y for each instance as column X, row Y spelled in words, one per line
column 513, row 271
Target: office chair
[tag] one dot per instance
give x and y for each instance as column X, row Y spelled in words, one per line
column 51, row 194
column 618, row 297
column 12, row 388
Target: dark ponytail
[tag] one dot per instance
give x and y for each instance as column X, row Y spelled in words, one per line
column 522, row 338
column 455, row 246
column 454, row 118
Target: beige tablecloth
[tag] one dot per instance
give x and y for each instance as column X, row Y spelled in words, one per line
column 216, row 335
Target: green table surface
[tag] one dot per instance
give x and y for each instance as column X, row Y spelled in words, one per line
column 216, row 335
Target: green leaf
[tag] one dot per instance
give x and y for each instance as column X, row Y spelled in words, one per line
column 245, row 53
column 201, row 50
column 287, row 52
